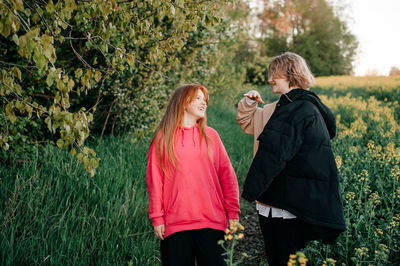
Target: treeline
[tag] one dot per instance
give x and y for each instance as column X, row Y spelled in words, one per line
column 68, row 68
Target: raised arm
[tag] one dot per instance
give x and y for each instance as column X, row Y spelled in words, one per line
column 247, row 108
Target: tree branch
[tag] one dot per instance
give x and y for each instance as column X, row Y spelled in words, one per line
column 43, row 19
column 23, row 22
column 105, row 123
column 22, row 99
column 143, row 64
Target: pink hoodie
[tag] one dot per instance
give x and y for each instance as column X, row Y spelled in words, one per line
column 201, row 193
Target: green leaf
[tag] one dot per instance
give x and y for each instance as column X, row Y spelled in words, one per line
column 78, row 73
column 49, row 123
column 40, row 60
column 131, row 60
column 79, row 156
column 17, row 73
column 6, row 146
column 10, row 112
column 18, row 5
column 15, row 39
column 94, row 162
column 12, row 118
column 48, row 49
column 60, row 143
column 70, row 84
column 92, row 172
column 51, row 76
column 97, row 76
column 28, row 109
column 50, row 7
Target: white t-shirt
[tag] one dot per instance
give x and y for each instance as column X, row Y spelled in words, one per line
column 275, row 212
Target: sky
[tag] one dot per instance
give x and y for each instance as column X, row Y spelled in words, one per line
column 376, row 25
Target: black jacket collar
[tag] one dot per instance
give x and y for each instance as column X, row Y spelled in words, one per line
column 306, row 95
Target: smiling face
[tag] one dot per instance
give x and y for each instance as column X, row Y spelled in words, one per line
column 279, row 84
column 196, row 109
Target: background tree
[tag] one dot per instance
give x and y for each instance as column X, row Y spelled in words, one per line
column 394, row 71
column 312, row 29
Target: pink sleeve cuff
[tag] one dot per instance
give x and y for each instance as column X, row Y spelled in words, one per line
column 158, row 221
column 233, row 215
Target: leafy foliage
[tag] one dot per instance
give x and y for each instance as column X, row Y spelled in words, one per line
column 62, row 60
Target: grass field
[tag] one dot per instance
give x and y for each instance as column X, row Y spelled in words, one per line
column 51, row 213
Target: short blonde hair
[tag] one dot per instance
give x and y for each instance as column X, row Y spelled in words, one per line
column 294, row 68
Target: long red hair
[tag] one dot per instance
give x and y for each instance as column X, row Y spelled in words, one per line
column 164, row 138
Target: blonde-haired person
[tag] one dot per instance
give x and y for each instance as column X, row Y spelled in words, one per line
column 193, row 190
column 293, row 177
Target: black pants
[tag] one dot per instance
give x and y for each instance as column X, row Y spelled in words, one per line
column 282, row 237
column 183, row 248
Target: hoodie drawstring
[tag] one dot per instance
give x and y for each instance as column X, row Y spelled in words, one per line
column 194, row 142
column 183, row 137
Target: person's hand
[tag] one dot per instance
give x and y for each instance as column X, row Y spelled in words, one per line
column 159, row 231
column 232, row 222
column 254, row 95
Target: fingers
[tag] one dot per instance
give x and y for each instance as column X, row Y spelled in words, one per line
column 162, row 231
column 254, row 95
column 232, row 222
column 159, row 231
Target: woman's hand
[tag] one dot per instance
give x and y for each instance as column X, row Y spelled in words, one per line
column 232, row 222
column 159, row 231
column 254, row 95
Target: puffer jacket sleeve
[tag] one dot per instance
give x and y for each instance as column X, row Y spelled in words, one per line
column 279, row 143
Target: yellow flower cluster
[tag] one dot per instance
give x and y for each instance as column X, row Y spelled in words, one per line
column 329, row 262
column 392, row 155
column 382, row 252
column 338, row 160
column 299, row 258
column 378, row 232
column 233, row 232
column 395, row 173
column 354, row 149
column 374, row 198
column 371, row 146
column 395, row 222
column 350, row 196
column 361, row 251
column 363, row 176
column 384, row 248
column 396, row 193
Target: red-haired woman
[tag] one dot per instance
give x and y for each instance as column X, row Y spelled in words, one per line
column 193, row 190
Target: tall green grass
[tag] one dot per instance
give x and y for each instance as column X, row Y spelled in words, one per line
column 52, row 213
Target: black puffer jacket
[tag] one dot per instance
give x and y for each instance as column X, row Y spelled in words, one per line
column 294, row 168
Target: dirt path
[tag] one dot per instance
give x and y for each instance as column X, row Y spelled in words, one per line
column 252, row 244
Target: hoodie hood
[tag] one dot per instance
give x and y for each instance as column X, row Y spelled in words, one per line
column 301, row 94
